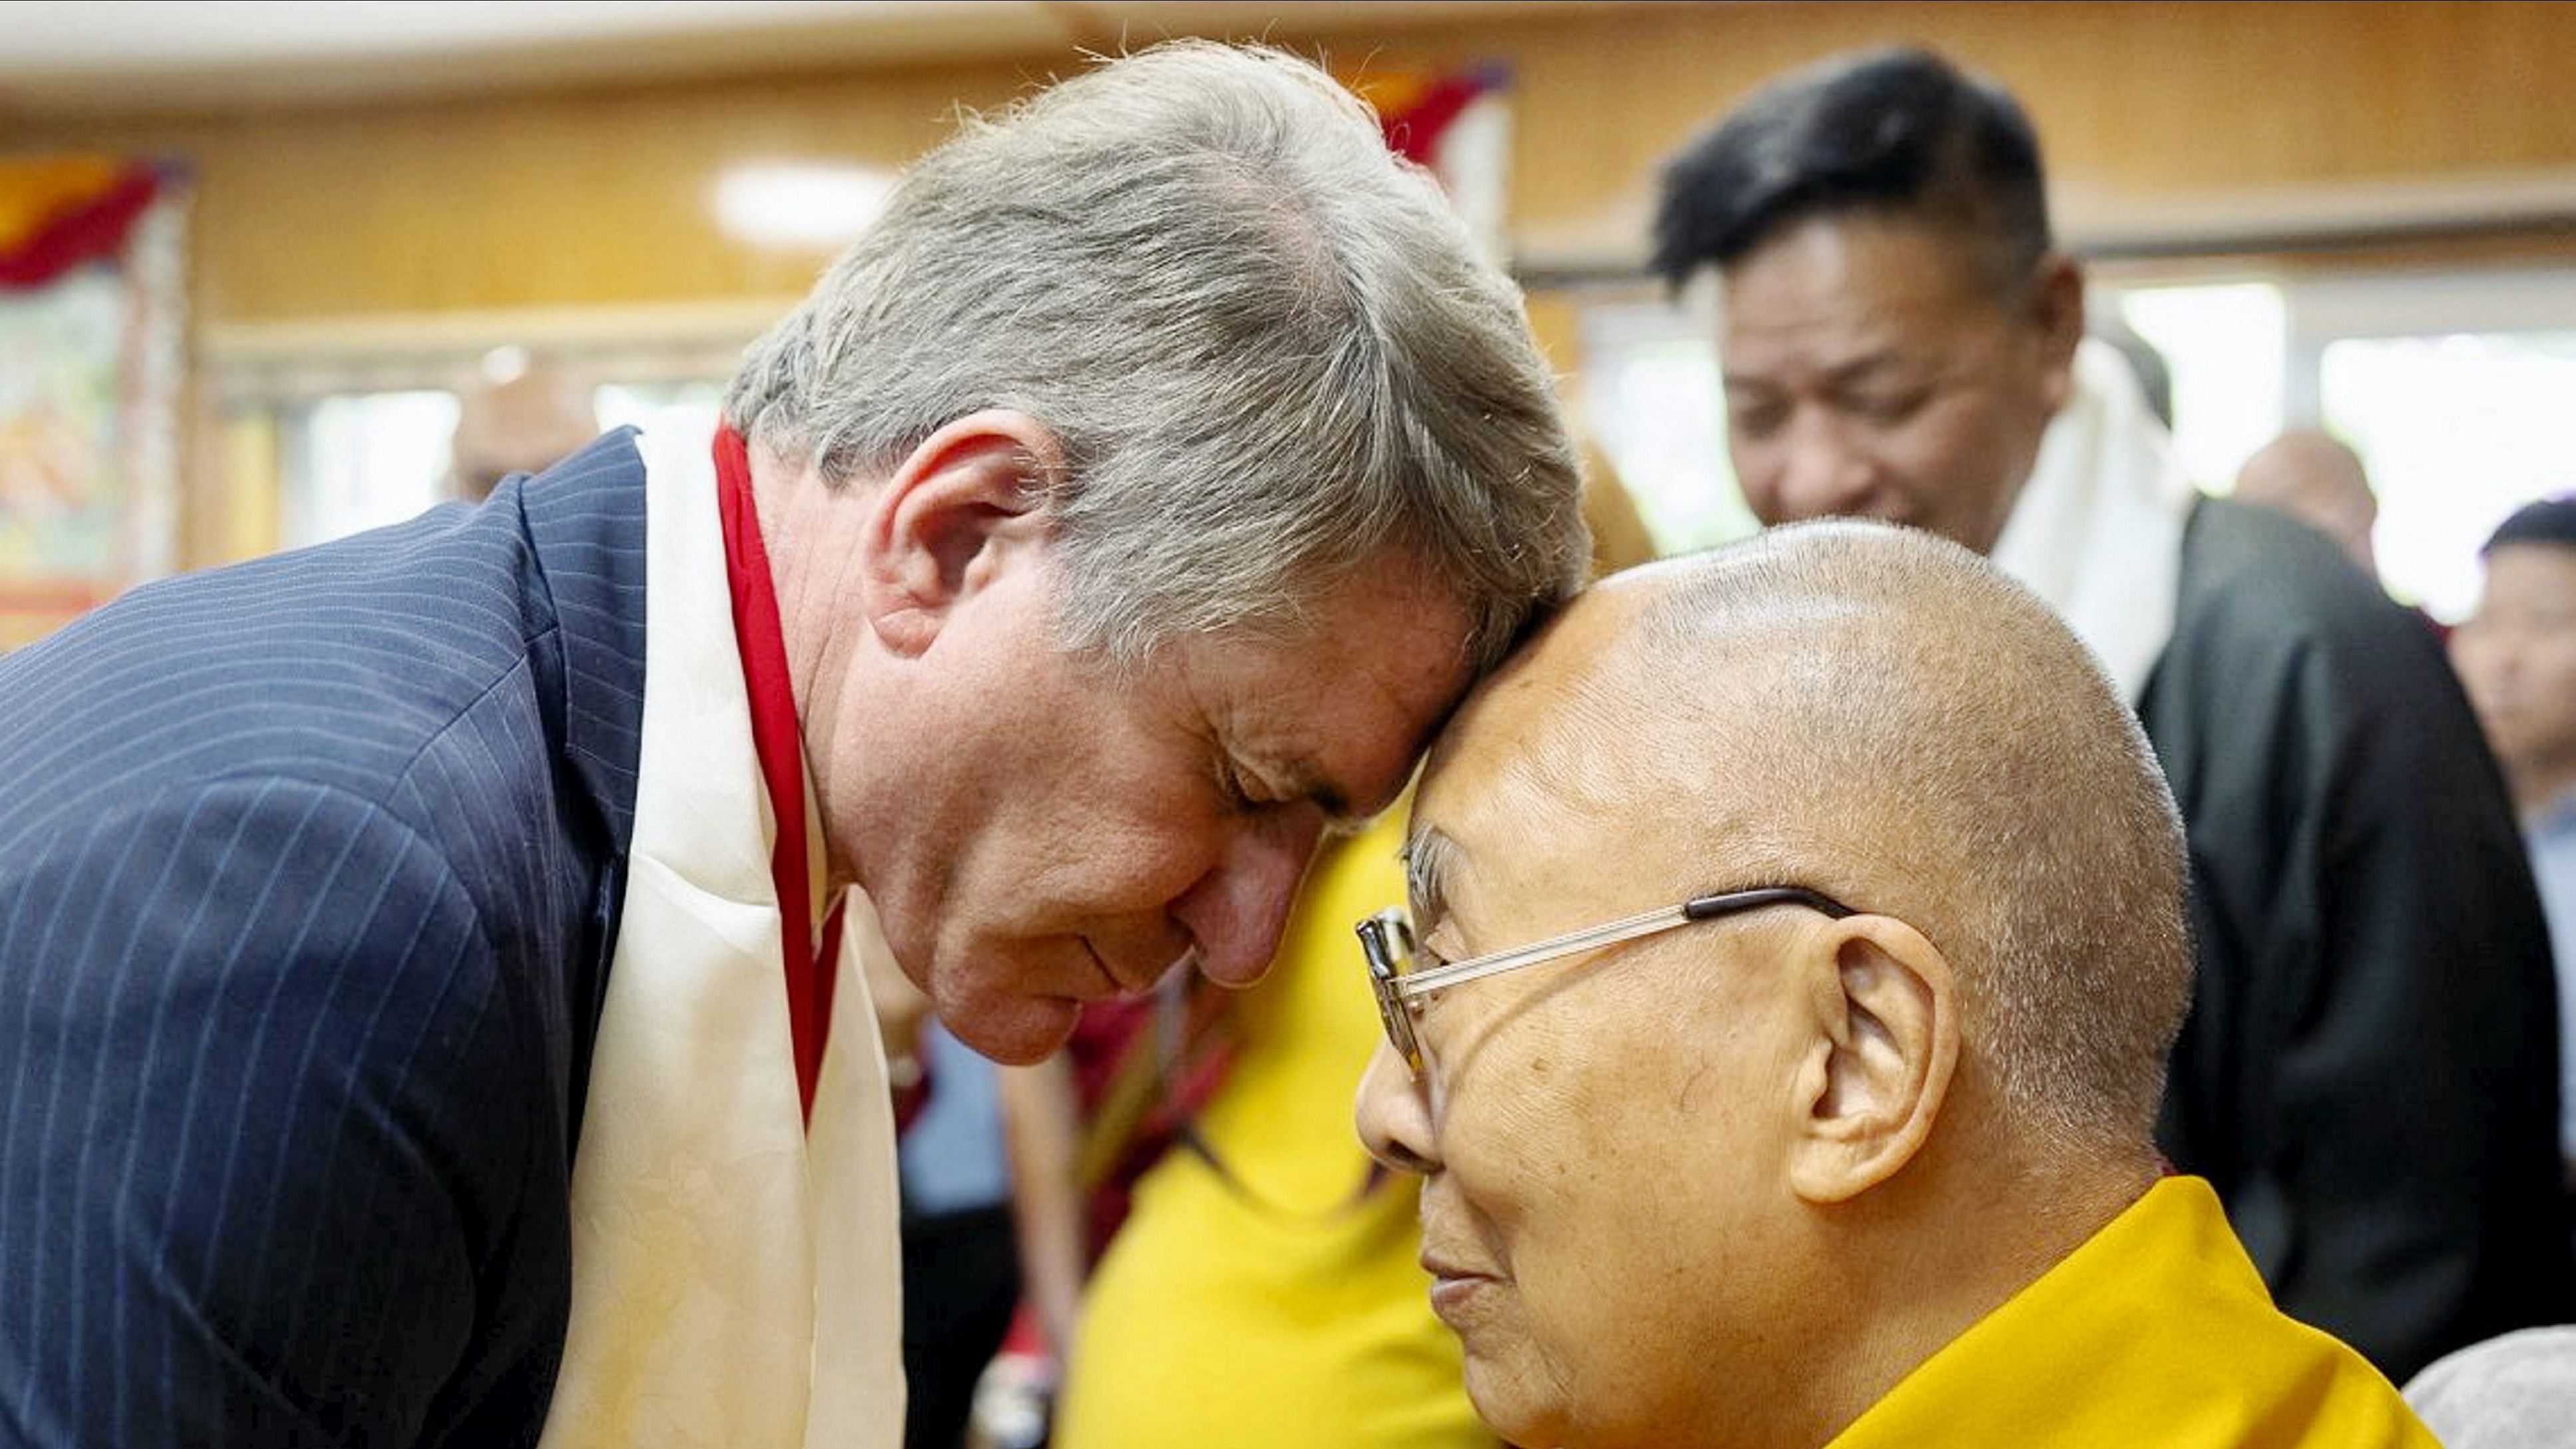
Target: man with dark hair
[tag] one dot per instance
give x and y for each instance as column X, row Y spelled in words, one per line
column 2364, row 1076
column 2517, row 656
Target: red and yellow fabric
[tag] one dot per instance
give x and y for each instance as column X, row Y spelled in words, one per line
column 57, row 212
column 1414, row 108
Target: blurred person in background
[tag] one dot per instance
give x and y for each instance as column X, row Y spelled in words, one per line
column 989, row 1216
column 1797, row 939
column 518, row 417
column 2515, row 1391
column 2517, row 656
column 2366, row 1077
column 420, row 1002
column 2155, row 375
column 1265, row 1289
column 2318, row 480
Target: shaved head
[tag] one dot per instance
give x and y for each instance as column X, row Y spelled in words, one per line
column 1878, row 714
column 2320, row 481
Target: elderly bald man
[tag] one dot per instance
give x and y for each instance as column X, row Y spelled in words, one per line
column 1838, row 1131
column 2320, row 481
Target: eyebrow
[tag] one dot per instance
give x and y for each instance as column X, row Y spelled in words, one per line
column 1302, row 779
column 1842, row 374
column 1335, row 803
column 1430, row 858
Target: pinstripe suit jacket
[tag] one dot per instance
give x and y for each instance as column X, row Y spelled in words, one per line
column 309, row 870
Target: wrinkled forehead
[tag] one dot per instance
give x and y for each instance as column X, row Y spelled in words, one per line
column 1861, row 266
column 1542, row 771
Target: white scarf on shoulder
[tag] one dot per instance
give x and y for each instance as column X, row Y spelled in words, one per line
column 2097, row 531
column 736, row 1276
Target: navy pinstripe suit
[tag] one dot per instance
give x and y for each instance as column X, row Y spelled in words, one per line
column 309, row 870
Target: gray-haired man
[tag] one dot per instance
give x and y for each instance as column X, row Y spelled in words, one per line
column 416, row 983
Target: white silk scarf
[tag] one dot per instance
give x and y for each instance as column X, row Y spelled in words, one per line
column 736, row 1273
column 2097, row 531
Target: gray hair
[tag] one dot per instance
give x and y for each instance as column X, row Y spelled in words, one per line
column 1895, row 722
column 1265, row 343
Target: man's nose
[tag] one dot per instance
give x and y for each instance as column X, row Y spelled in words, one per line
column 1822, row 473
column 1236, row 912
column 1394, row 1114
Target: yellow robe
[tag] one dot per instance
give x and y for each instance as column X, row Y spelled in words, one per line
column 2157, row 1332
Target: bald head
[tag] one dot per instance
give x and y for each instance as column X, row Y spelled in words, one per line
column 1816, row 914
column 524, row 424
column 2318, row 480
column 1880, row 715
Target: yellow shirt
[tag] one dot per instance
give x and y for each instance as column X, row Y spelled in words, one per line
column 1299, row 1317
column 2156, row 1332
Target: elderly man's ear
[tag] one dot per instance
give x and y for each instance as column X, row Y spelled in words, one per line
column 1884, row 1015
column 966, row 503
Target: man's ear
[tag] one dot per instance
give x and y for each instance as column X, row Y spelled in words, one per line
column 2056, row 313
column 1885, row 1012
column 970, row 501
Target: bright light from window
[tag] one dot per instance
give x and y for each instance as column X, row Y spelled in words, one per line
column 682, row 407
column 2457, row 432
column 1652, row 399
column 801, row 205
column 2226, row 346
column 367, row 459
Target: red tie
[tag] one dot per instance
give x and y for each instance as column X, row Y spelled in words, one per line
column 809, row 961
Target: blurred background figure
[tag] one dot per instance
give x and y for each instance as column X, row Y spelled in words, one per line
column 520, row 418
column 2155, row 375
column 991, row 1225
column 2515, row 1391
column 2318, row 480
column 2517, row 657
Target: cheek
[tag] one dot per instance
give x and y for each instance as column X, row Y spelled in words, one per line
column 1955, row 449
column 1758, row 470
column 1552, row 1155
column 1135, row 856
column 2557, row 664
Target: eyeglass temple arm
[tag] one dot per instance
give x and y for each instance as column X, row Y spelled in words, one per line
column 1626, row 928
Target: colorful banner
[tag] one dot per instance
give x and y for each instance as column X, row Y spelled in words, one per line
column 91, row 267
column 57, row 212
column 1458, row 124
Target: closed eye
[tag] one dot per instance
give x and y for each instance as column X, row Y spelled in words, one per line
column 1756, row 420
column 1887, row 407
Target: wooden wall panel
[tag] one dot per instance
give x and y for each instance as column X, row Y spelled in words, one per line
column 598, row 197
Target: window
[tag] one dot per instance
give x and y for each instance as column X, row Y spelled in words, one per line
column 2225, row 344
column 2457, row 431
column 1653, row 402
column 355, row 461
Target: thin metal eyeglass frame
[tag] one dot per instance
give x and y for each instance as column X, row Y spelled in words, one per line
column 1386, row 939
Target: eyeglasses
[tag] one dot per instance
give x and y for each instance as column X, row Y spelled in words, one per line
column 1387, row 940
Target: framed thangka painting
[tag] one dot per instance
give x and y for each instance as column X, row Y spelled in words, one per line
column 92, row 264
